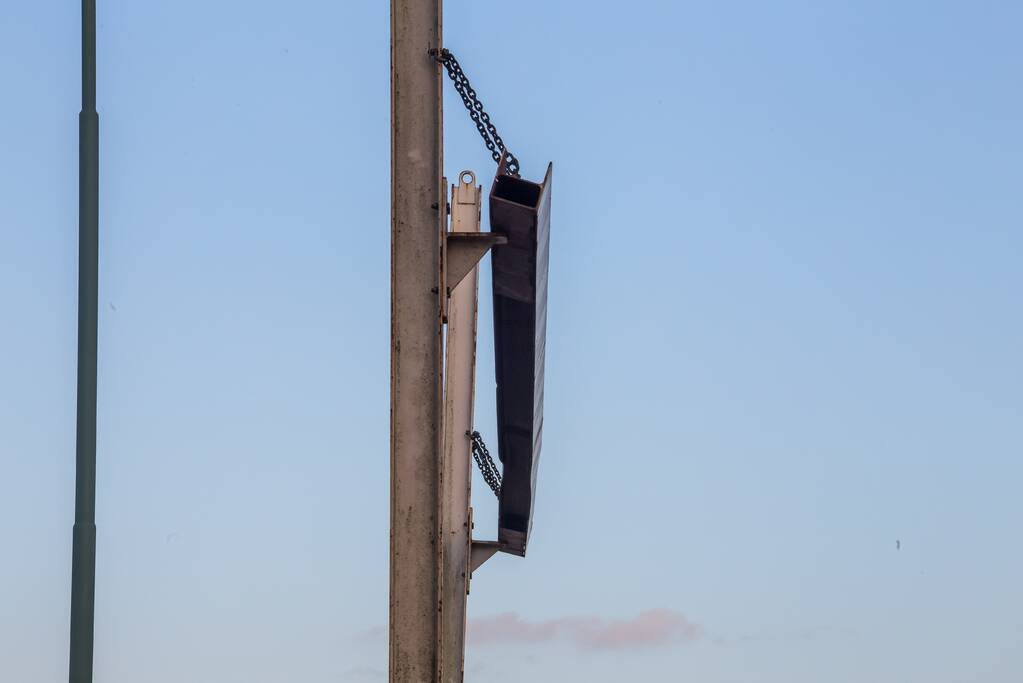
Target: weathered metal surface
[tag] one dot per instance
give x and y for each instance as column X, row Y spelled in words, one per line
column 456, row 466
column 520, row 210
column 417, row 224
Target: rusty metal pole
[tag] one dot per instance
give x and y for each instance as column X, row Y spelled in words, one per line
column 417, row 222
column 83, row 551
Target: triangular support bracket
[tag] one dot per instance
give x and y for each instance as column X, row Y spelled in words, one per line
column 480, row 552
column 463, row 251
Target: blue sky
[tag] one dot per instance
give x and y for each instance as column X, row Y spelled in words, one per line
column 784, row 331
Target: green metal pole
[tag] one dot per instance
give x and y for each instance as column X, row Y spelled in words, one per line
column 83, row 553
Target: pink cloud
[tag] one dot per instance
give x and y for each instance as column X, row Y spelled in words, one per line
column 650, row 628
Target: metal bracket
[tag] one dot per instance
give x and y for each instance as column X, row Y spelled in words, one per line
column 464, row 250
column 465, row 245
column 480, row 552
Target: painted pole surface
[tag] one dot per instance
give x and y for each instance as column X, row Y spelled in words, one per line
column 83, row 553
column 456, row 466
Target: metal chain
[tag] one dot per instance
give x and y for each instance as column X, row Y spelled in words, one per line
column 475, row 108
column 488, row 468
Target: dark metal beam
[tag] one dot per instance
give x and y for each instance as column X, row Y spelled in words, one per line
column 83, row 553
column 520, row 210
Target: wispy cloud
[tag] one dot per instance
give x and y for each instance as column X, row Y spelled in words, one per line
column 648, row 629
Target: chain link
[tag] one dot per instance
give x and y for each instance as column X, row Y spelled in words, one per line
column 488, row 468
column 473, row 105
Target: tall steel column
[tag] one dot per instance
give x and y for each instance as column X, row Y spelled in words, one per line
column 417, row 219
column 456, row 464
column 83, row 558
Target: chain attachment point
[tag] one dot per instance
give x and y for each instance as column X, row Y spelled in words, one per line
column 479, row 116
